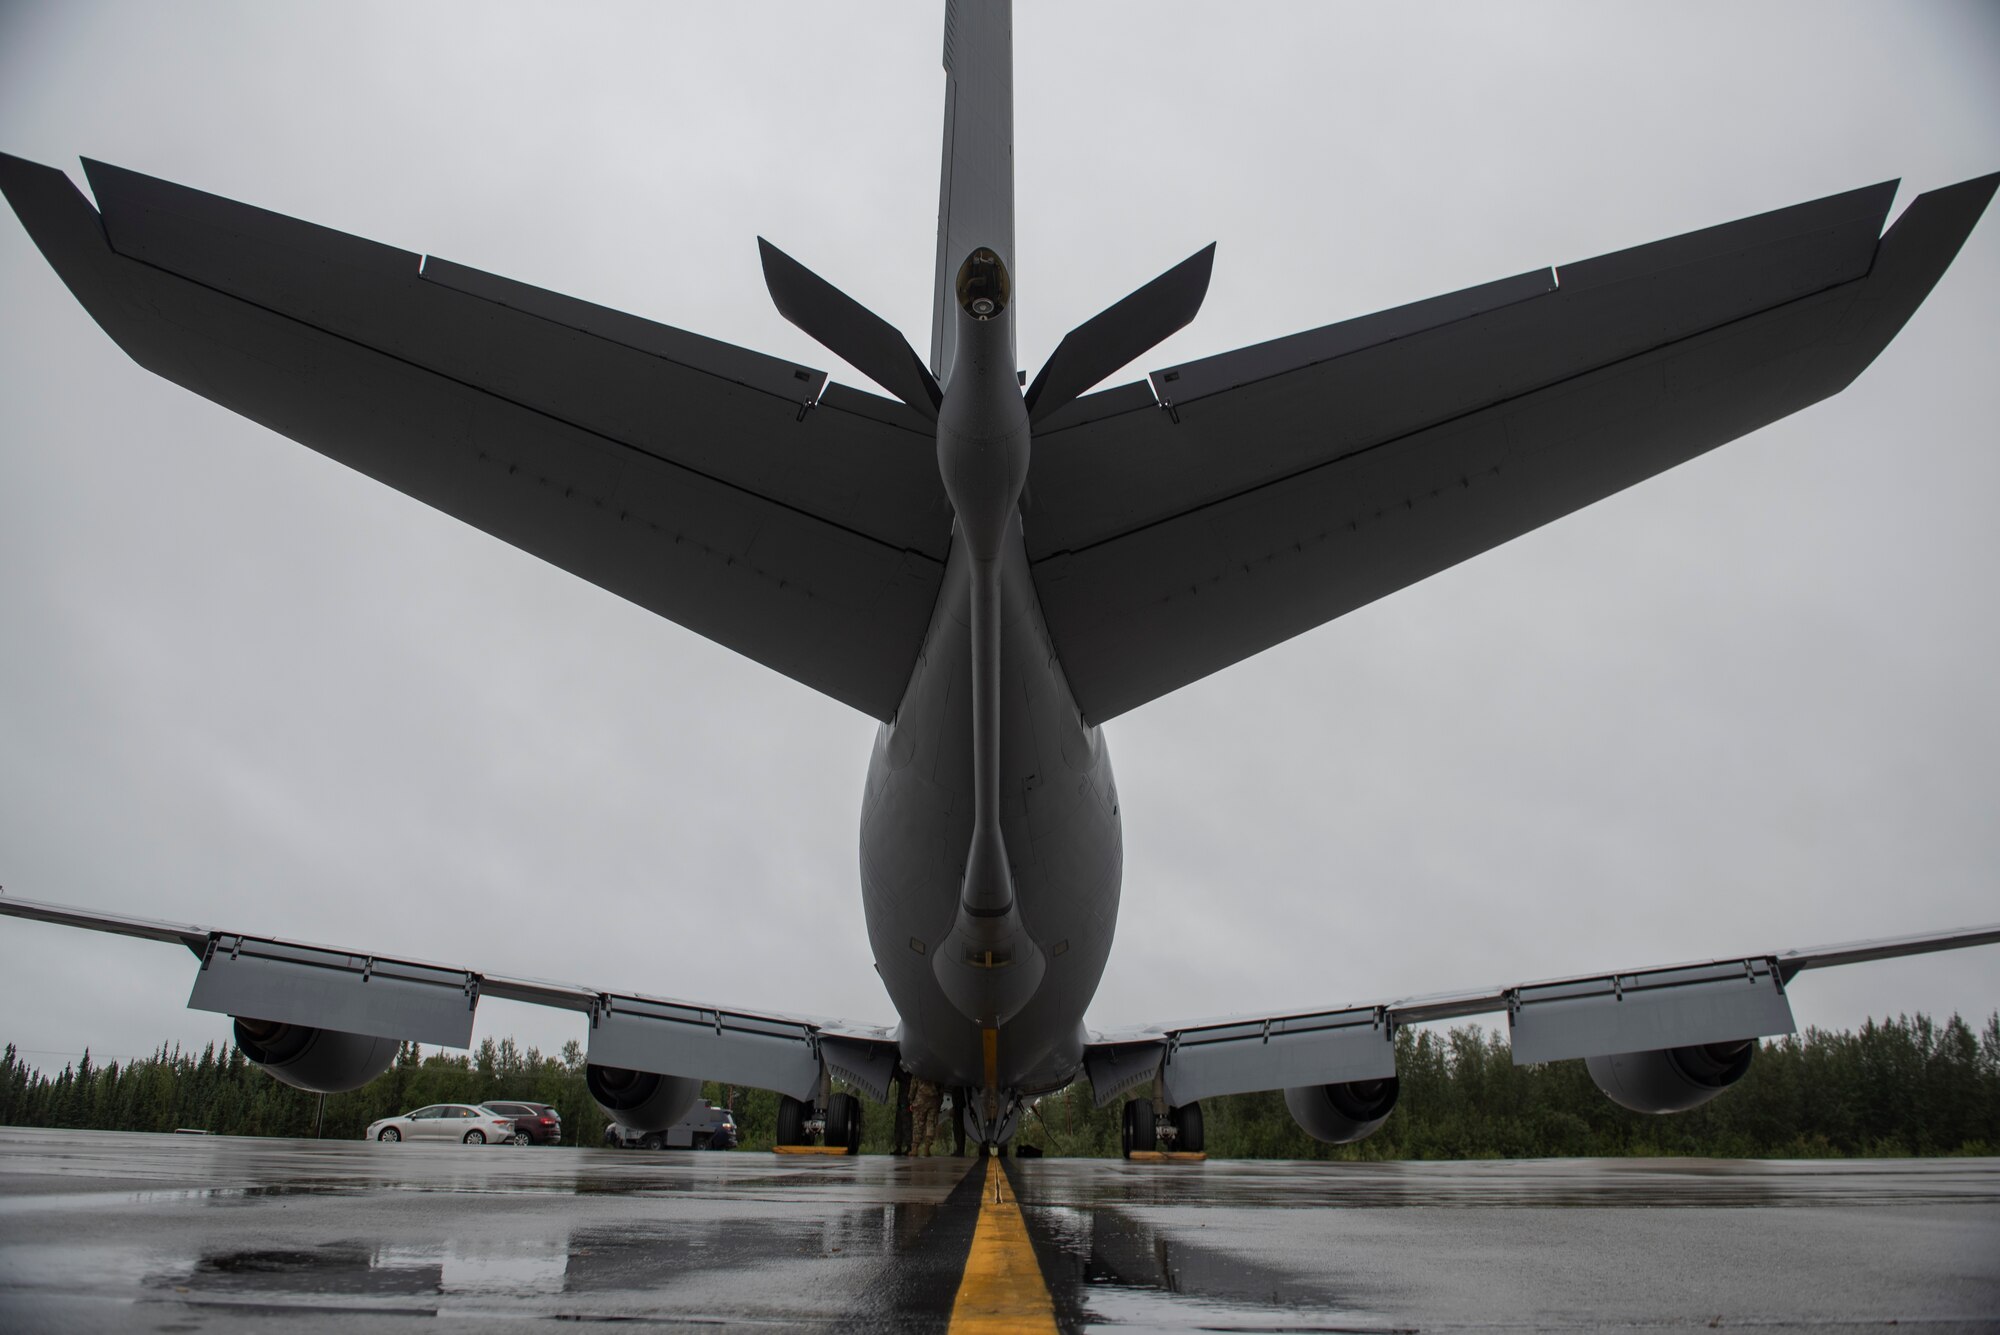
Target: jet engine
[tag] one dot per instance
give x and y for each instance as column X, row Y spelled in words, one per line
column 323, row 1061
column 1344, row 1113
column 642, row 1100
column 1671, row 1080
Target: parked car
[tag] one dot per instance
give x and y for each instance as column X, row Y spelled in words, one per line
column 467, row 1122
column 534, row 1123
column 706, row 1128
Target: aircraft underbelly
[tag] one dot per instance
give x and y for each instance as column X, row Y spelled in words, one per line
column 1059, row 817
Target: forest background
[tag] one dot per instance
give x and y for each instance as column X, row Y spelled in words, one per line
column 1906, row 1086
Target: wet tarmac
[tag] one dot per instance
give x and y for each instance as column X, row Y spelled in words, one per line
column 102, row 1231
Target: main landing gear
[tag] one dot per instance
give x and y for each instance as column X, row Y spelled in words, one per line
column 837, row 1125
column 1177, row 1130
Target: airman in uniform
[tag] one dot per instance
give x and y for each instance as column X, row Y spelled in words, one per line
column 924, row 1107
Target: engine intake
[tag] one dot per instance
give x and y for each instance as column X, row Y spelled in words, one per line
column 642, row 1100
column 1344, row 1113
column 323, row 1061
column 1671, row 1080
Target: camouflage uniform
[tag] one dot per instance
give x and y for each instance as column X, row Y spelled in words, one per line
column 924, row 1108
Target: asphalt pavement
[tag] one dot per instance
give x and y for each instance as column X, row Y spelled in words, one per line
column 105, row 1231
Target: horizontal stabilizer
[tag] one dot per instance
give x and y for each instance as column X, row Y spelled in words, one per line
column 1121, row 334
column 848, row 329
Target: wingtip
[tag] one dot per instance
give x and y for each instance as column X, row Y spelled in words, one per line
column 1977, row 187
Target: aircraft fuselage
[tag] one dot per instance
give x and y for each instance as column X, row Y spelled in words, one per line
column 1058, row 816
column 991, row 851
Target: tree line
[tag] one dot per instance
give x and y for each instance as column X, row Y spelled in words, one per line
column 1906, row 1086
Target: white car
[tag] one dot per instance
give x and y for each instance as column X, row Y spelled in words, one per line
column 467, row 1122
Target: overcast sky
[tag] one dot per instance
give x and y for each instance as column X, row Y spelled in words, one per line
column 1746, row 706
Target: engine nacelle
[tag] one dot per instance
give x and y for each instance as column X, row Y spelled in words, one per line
column 642, row 1100
column 1671, row 1080
column 323, row 1061
column 1342, row 1114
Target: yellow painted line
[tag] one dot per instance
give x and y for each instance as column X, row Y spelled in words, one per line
column 1003, row 1289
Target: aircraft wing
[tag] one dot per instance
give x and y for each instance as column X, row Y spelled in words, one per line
column 800, row 523
column 329, row 987
column 1719, row 1000
column 1183, row 524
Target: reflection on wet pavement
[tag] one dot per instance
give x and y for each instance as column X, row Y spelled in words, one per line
column 105, row 1231
column 1584, row 1244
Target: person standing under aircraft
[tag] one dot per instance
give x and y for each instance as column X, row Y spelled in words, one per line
column 924, row 1118
column 899, row 1144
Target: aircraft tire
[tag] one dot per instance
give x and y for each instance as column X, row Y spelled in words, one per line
column 1139, row 1130
column 1188, row 1135
column 843, row 1122
column 791, row 1121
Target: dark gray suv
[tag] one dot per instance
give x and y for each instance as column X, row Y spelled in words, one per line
column 534, row 1123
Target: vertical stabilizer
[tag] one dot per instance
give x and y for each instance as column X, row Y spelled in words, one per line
column 976, row 182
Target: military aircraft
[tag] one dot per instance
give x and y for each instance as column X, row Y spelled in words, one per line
column 993, row 566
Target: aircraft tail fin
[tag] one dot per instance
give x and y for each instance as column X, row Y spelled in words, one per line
column 976, row 180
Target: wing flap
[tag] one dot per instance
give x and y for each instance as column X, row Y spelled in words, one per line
column 335, row 989
column 1330, row 1048
column 1587, row 1015
column 384, row 996
column 1648, row 1011
column 736, row 1048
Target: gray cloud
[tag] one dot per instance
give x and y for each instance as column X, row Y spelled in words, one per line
column 1745, row 706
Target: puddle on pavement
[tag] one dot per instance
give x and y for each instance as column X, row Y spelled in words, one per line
column 1108, row 1267
column 587, row 1260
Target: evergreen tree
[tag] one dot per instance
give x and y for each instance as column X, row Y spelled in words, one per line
column 1897, row 1086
